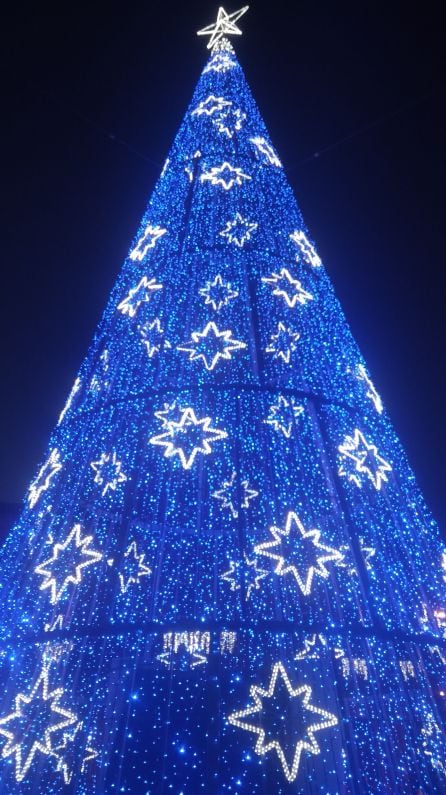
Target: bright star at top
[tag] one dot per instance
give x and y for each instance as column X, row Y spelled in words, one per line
column 29, row 728
column 225, row 175
column 43, row 479
column 298, row 552
column 284, row 286
column 306, row 249
column 364, row 456
column 188, row 437
column 218, row 293
column 72, row 556
column 239, row 230
column 271, row 731
column 146, row 241
column 210, row 345
column 224, row 26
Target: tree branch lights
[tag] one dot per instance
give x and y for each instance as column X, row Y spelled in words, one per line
column 293, row 547
column 265, row 734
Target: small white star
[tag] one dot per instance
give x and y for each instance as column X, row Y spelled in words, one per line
column 191, row 433
column 224, row 26
column 229, row 122
column 365, row 458
column 138, row 295
column 211, row 105
column 306, row 249
column 235, row 496
column 108, row 471
column 288, row 288
column 283, row 415
column 244, row 574
column 74, row 554
column 225, row 175
column 239, row 230
column 265, row 148
column 43, row 479
column 133, row 568
column 218, row 293
column 283, row 343
column 153, row 337
column 148, row 239
column 210, row 345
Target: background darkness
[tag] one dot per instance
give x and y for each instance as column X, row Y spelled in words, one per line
column 352, row 95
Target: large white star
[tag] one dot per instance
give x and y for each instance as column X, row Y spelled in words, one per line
column 72, row 556
column 306, row 741
column 210, row 345
column 189, row 432
column 294, row 542
column 364, row 455
column 29, row 728
column 224, row 26
column 225, row 175
column 288, row 288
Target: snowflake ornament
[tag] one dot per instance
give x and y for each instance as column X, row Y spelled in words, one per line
column 235, row 494
column 286, row 287
column 188, row 437
column 239, row 231
column 43, row 480
column 225, row 175
column 138, row 295
column 283, row 415
column 211, row 345
column 283, row 343
column 359, row 459
column 148, row 240
column 267, row 723
column 108, row 472
column 218, row 293
column 298, row 552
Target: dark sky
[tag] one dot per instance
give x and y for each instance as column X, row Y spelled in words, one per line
column 352, row 94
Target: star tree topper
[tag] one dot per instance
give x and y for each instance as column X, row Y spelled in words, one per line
column 265, row 739
column 224, row 26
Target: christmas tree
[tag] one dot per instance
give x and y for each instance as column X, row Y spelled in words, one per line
column 224, row 577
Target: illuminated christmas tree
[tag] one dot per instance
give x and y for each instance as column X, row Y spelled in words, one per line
column 224, row 577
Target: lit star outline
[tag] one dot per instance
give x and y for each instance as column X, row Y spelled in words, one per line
column 265, row 148
column 44, row 570
column 223, row 26
column 154, row 326
column 62, row 764
column 371, row 392
column 211, row 333
column 230, row 231
column 143, row 569
column 44, row 744
column 350, row 449
column 225, row 175
column 171, row 413
column 280, row 353
column 188, row 418
column 130, row 307
column 325, row 721
column 210, row 105
column 43, row 480
column 148, row 240
column 276, row 420
column 223, row 121
column 220, row 62
column 306, row 248
column 292, row 292
column 206, row 292
column 98, row 466
column 235, row 578
column 319, row 569
column 366, row 552
column 224, row 494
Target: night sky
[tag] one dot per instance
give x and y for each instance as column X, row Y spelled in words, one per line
column 352, row 95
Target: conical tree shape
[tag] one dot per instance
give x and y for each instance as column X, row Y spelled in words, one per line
column 224, row 577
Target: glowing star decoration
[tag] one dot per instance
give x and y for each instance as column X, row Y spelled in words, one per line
column 211, row 105
column 371, row 392
column 264, row 148
column 239, row 230
column 298, row 552
column 188, row 437
column 195, row 644
column 348, row 562
column 283, row 415
column 171, row 414
column 235, row 495
column 364, row 456
column 108, row 472
column 265, row 710
column 67, row 563
column 43, row 480
column 153, row 337
column 244, row 575
column 225, row 175
column 306, row 249
column 313, row 648
column 148, row 240
column 221, row 62
column 283, row 343
column 74, row 390
column 224, row 26
column 218, row 293
column 29, row 729
column 211, row 345
column 74, row 753
column 138, row 295
column 291, row 290
column 133, row 568
column 229, row 122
